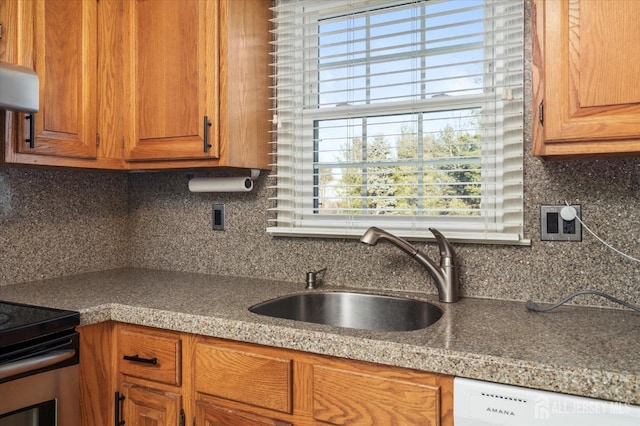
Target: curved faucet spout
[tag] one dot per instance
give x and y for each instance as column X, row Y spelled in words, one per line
column 445, row 275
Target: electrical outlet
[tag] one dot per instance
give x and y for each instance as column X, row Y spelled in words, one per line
column 554, row 228
column 218, row 217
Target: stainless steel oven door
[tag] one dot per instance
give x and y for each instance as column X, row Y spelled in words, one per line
column 50, row 398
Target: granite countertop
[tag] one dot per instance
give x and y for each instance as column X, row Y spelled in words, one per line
column 593, row 352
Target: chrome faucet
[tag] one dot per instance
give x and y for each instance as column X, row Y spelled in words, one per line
column 445, row 275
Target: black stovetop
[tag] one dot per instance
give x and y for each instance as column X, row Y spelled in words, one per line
column 20, row 322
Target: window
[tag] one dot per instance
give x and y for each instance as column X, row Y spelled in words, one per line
column 399, row 114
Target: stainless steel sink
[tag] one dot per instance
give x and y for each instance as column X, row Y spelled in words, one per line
column 353, row 310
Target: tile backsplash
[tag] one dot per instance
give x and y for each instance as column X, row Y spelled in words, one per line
column 56, row 222
column 171, row 229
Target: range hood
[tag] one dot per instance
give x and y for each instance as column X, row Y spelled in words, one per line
column 19, row 88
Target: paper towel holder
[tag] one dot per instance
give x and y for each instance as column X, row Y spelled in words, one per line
column 222, row 184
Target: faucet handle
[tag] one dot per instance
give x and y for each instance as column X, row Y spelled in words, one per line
column 446, row 249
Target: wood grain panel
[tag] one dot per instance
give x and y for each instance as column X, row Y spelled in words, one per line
column 62, row 65
column 251, row 378
column 244, row 82
column 110, row 99
column 97, row 374
column 167, row 72
column 349, row 398
column 606, row 71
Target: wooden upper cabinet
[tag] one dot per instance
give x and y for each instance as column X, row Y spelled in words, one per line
column 59, row 43
column 197, row 82
column 142, row 84
column 170, row 68
column 70, row 45
column 585, row 71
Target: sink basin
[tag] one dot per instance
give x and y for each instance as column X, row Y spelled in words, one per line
column 353, row 310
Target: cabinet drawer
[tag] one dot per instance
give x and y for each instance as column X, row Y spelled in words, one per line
column 150, row 354
column 342, row 397
column 247, row 377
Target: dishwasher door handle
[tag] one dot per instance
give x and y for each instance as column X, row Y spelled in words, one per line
column 35, row 363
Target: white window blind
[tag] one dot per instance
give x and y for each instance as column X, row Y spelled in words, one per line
column 399, row 114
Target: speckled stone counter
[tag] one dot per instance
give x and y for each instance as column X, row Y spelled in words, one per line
column 584, row 351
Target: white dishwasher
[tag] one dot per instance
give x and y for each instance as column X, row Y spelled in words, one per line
column 479, row 403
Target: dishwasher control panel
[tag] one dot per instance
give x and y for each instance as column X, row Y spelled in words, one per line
column 479, row 403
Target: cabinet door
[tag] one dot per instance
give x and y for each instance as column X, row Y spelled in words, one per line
column 376, row 395
column 171, row 77
column 244, row 376
column 209, row 415
column 58, row 39
column 586, row 96
column 150, row 407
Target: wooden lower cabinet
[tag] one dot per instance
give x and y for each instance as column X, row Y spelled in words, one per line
column 149, row 376
column 208, row 414
column 150, row 407
column 284, row 387
column 172, row 378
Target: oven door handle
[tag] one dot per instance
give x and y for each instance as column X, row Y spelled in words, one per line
column 35, row 363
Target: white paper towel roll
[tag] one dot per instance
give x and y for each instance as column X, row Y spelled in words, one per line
column 221, row 184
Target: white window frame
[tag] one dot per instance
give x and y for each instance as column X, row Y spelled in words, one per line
column 295, row 210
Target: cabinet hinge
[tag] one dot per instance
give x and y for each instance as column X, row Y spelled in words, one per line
column 541, row 112
column 97, row 139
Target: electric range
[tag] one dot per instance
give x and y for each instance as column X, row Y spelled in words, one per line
column 39, row 357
